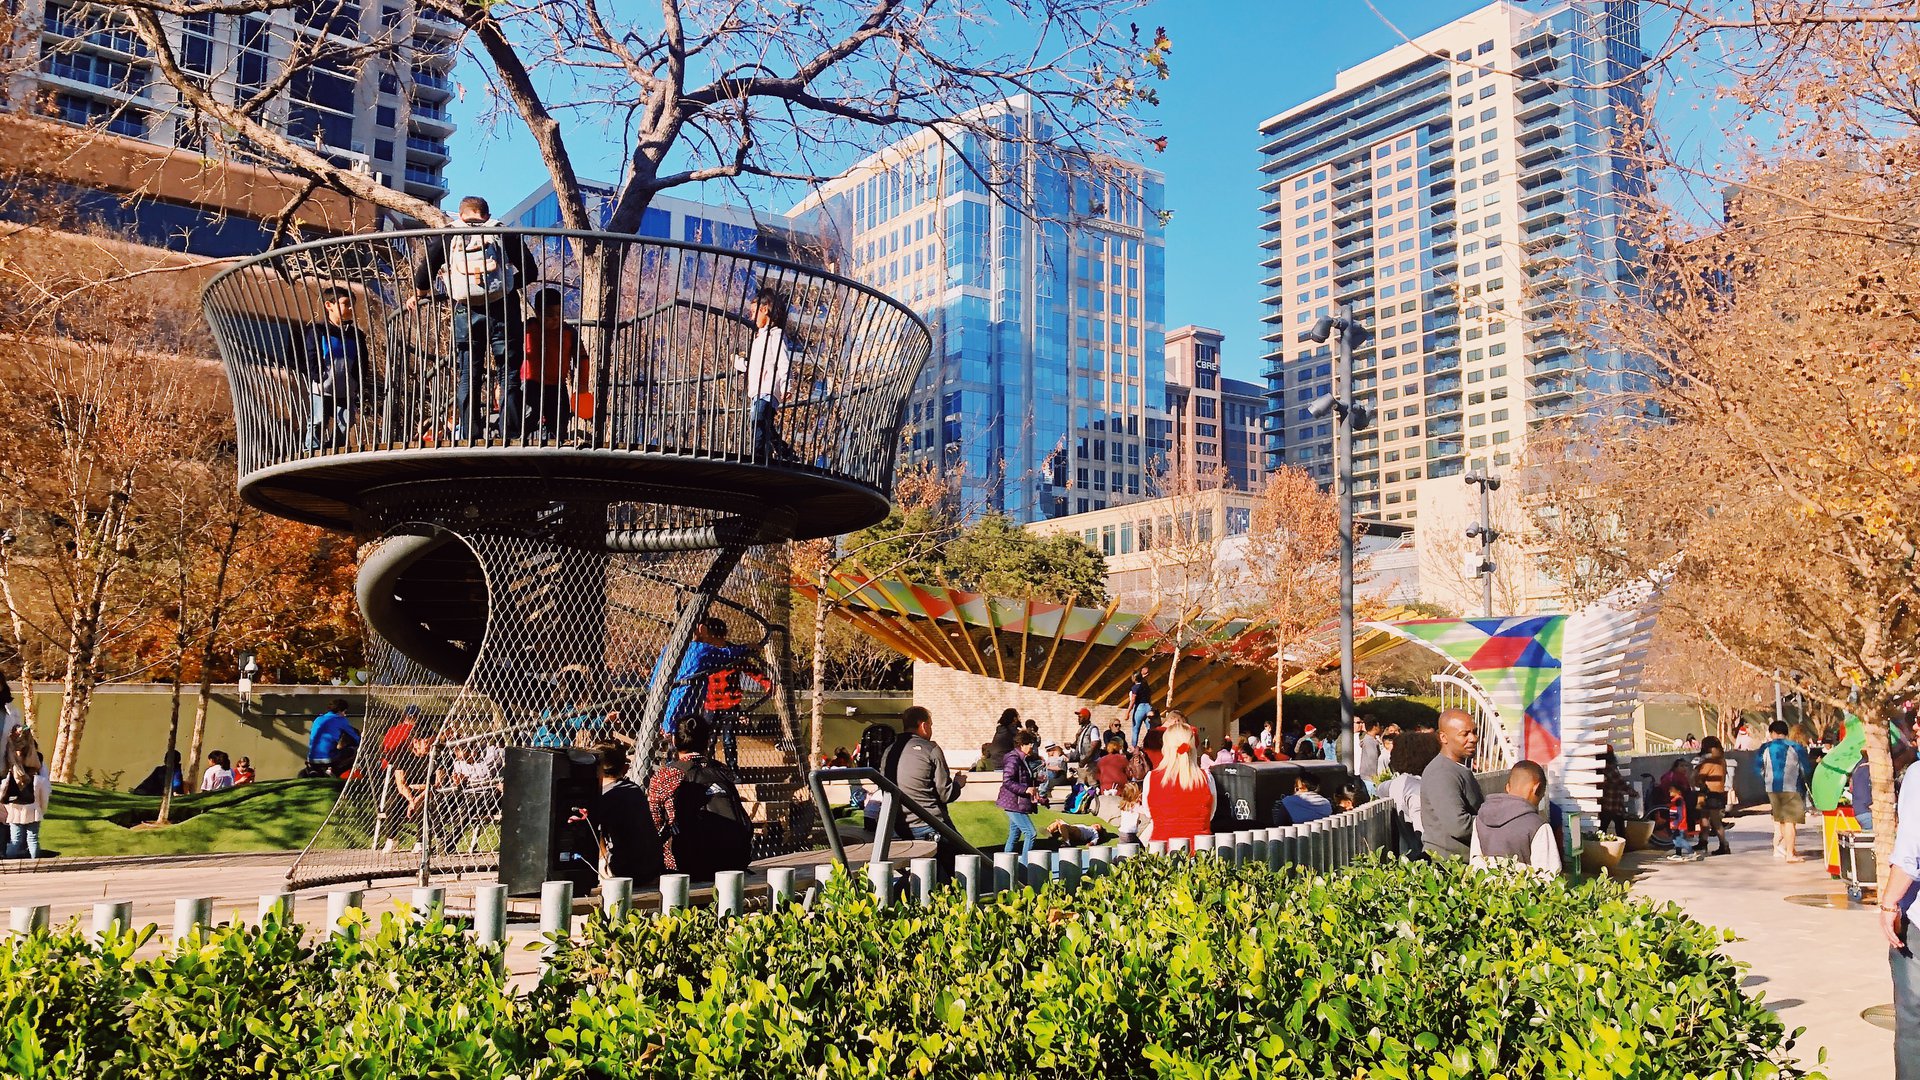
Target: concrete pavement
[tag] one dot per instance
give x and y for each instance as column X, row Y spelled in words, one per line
column 1819, row 961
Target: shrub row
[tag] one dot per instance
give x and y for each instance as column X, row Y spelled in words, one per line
column 1170, row 968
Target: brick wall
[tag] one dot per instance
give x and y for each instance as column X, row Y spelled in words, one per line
column 966, row 706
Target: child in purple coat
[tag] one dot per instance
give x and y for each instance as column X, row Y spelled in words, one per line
column 1017, row 793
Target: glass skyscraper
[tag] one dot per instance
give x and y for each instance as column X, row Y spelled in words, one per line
column 1044, row 392
column 1461, row 194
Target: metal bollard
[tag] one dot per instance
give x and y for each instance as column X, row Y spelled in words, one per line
column 1323, row 835
column 616, row 897
column 1127, row 851
column 926, row 877
column 730, row 892
column 1203, row 844
column 1039, row 869
column 1067, row 868
column 1006, row 871
column 970, row 871
column 822, row 874
column 1156, row 847
column 556, row 907
column 1289, row 846
column 1243, row 844
column 28, row 918
column 338, row 904
column 190, row 914
column 112, row 916
column 1099, row 860
column 780, row 886
column 276, row 905
column 429, row 902
column 673, row 892
column 880, row 879
column 1260, row 838
column 490, row 913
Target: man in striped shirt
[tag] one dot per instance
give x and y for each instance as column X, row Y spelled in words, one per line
column 1785, row 770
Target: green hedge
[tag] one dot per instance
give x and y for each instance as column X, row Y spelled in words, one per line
column 1171, row 968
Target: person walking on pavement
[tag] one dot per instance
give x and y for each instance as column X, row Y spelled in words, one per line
column 1785, row 772
column 1449, row 794
column 1899, row 900
column 1710, row 782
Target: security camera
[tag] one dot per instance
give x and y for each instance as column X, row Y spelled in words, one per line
column 852, row 709
column 1322, row 407
column 1321, row 330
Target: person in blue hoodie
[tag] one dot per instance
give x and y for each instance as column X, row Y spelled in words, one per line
column 1306, row 803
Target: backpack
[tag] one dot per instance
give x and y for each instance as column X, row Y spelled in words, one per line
column 723, row 690
column 710, row 829
column 477, row 268
column 1081, row 801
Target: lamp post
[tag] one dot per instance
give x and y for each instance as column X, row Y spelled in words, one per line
column 1481, row 564
column 1349, row 418
column 248, row 669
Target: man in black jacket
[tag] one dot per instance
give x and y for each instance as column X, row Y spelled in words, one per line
column 479, row 271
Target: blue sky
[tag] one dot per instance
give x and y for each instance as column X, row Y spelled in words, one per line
column 1235, row 63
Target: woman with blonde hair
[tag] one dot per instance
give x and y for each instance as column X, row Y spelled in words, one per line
column 1178, row 794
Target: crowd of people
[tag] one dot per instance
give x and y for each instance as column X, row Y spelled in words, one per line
column 1150, row 776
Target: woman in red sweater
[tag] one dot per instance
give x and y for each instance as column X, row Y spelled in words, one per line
column 1179, row 794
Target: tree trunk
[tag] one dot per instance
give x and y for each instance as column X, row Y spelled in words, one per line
column 1279, row 691
column 216, row 607
column 29, row 710
column 173, row 742
column 817, row 738
column 1873, row 718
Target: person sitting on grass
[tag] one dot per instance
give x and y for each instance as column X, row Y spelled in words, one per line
column 243, row 772
column 1306, row 803
column 219, row 774
column 1510, row 828
column 161, row 776
column 332, row 742
column 1129, row 822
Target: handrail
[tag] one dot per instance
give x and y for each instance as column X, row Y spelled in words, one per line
column 890, row 799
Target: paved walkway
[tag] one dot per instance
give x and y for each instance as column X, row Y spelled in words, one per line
column 1819, row 967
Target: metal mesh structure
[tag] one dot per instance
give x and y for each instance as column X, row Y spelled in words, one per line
column 557, row 473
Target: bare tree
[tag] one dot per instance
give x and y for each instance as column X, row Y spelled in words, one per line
column 1189, row 585
column 703, row 90
column 1293, row 581
column 89, row 428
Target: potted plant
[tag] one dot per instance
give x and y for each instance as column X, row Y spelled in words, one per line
column 1639, row 835
column 1602, row 852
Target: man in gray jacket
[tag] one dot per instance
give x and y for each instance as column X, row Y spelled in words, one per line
column 1449, row 795
column 919, row 767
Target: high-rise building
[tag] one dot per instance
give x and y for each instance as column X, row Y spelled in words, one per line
column 388, row 116
column 670, row 218
column 1460, row 193
column 1213, row 423
column 1044, row 390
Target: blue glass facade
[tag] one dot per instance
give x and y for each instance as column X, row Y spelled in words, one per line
column 1460, row 195
column 1049, row 317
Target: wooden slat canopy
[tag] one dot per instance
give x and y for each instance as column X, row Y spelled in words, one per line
column 1084, row 652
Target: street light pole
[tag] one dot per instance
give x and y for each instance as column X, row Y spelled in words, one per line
column 1349, row 418
column 1486, row 534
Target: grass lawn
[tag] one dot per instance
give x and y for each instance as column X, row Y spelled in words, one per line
column 985, row 825
column 273, row 815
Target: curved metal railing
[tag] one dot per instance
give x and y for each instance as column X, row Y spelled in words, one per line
column 572, row 354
